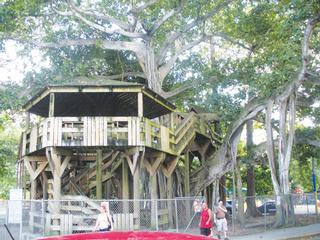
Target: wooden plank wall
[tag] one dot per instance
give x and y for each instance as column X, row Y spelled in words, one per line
column 96, row 132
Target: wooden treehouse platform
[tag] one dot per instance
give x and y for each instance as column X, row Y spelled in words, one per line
column 108, row 141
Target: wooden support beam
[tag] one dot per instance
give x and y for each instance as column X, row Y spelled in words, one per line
column 152, row 166
column 32, row 168
column 170, row 203
column 44, row 186
column 154, row 197
column 187, row 182
column 134, row 166
column 140, row 104
column 134, row 161
column 125, row 180
column 24, row 182
column 58, row 164
column 171, row 165
column 99, row 174
column 107, row 155
column 187, row 174
column 33, row 190
column 125, row 185
column 51, row 105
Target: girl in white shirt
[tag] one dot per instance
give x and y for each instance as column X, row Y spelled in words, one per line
column 104, row 221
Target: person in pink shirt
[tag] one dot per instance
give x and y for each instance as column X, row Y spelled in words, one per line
column 205, row 220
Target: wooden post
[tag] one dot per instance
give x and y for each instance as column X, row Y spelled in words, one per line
column 57, row 167
column 136, row 194
column 125, row 180
column 125, row 186
column 33, row 195
column 57, row 164
column 154, row 198
column 44, row 186
column 187, row 183
column 33, row 189
column 140, row 104
column 28, row 120
column 170, row 201
column 187, row 174
column 44, row 194
column 99, row 174
column 51, row 105
column 24, row 182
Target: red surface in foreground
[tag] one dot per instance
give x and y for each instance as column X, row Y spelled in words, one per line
column 128, row 236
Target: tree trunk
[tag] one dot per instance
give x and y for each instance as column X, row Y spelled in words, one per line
column 240, row 212
column 151, row 70
column 251, row 190
column 222, row 190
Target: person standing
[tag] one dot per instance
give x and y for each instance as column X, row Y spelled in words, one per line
column 220, row 220
column 205, row 220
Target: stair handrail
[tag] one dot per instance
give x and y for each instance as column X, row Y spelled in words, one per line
column 183, row 123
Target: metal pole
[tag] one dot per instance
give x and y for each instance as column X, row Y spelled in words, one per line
column 176, row 207
column 314, row 181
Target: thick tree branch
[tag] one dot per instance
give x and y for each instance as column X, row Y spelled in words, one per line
column 315, row 143
column 137, row 9
column 184, row 87
column 99, row 27
column 105, row 17
column 221, row 161
column 165, row 18
column 171, row 38
column 105, row 44
column 227, row 38
column 305, row 59
column 165, row 69
column 125, row 75
column 270, row 147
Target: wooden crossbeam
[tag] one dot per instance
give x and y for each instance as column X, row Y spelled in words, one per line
column 167, row 171
column 135, row 153
column 57, row 162
column 132, row 163
column 153, row 166
column 34, row 173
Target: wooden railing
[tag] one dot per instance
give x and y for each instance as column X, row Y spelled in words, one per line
column 113, row 131
column 82, row 131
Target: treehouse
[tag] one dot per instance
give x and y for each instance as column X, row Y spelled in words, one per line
column 108, row 140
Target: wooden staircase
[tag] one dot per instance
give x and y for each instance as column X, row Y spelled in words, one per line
column 186, row 132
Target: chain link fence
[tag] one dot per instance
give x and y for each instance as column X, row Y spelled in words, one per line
column 31, row 219
column 260, row 213
column 78, row 214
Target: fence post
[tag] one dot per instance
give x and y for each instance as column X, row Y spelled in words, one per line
column 176, row 207
column 21, row 221
column 156, row 205
column 265, row 215
column 43, row 216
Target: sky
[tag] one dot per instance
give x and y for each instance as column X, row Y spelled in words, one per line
column 13, row 65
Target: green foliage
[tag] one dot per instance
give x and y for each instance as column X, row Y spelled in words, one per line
column 301, row 166
column 9, row 138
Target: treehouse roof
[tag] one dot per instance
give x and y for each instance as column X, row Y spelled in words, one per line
column 107, row 98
